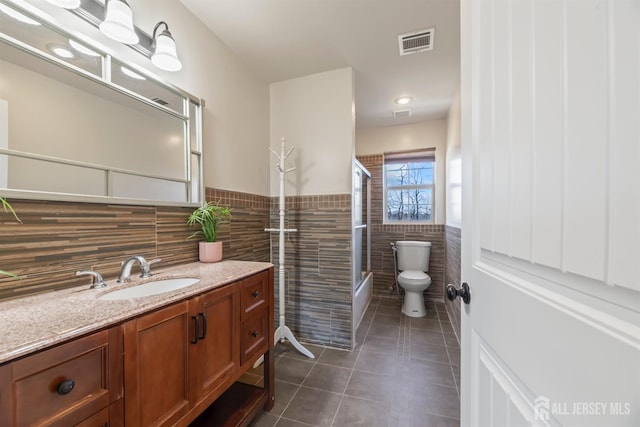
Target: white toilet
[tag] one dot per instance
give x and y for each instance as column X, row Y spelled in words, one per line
column 413, row 263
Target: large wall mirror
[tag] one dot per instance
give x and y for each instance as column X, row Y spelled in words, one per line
column 78, row 124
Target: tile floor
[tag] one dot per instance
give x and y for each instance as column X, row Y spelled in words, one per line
column 404, row 374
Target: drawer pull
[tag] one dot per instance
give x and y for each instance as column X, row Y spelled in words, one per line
column 204, row 326
column 255, row 294
column 66, row 386
column 196, row 332
column 254, row 334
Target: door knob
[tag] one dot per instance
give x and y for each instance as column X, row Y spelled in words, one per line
column 463, row 292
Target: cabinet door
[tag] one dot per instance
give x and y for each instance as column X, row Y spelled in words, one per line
column 156, row 348
column 217, row 358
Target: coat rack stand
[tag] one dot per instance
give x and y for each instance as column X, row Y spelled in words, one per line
column 283, row 332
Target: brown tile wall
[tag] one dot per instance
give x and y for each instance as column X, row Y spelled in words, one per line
column 452, row 274
column 383, row 235
column 58, row 238
column 244, row 238
column 318, row 267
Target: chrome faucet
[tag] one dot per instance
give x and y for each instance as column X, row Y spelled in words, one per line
column 145, row 268
column 98, row 281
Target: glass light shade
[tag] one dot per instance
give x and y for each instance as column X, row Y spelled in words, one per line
column 165, row 55
column 67, row 4
column 118, row 22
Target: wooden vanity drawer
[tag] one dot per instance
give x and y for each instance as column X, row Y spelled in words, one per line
column 253, row 294
column 38, row 383
column 254, row 336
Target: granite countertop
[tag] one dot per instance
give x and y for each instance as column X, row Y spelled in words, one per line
column 35, row 322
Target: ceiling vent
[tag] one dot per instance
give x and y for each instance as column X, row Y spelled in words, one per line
column 417, row 41
column 398, row 114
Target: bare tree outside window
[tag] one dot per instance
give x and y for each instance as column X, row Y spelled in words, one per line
column 409, row 185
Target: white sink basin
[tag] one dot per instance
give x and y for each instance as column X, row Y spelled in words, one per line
column 149, row 288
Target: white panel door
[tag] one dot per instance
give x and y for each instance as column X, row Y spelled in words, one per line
column 551, row 212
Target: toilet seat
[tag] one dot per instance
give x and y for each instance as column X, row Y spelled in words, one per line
column 414, row 277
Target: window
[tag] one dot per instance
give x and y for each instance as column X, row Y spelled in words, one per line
column 409, row 186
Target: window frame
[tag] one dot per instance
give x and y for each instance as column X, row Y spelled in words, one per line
column 427, row 154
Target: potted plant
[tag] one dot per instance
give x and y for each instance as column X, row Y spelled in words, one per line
column 208, row 217
column 7, row 208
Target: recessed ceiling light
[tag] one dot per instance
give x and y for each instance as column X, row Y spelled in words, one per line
column 82, row 49
column 132, row 74
column 17, row 15
column 404, row 100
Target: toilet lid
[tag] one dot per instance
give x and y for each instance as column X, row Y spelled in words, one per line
column 414, row 277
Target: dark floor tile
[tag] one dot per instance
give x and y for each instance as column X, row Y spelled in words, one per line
column 451, row 340
column 428, row 372
column 380, row 345
column 292, row 370
column 391, row 332
column 370, row 386
column 454, row 355
column 327, row 377
column 456, row 376
column 358, row 412
column 378, row 363
column 435, row 353
column 436, row 400
column 446, row 327
column 386, row 319
column 284, row 393
column 395, row 302
column 388, row 311
column 293, row 353
column 422, row 336
column 264, row 419
column 430, row 420
column 342, row 358
column 283, row 422
column 311, row 406
column 425, row 323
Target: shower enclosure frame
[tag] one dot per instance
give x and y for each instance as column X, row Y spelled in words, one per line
column 362, row 280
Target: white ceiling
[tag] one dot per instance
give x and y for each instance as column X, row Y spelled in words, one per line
column 284, row 39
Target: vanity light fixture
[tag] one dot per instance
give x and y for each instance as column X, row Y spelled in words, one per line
column 404, row 100
column 164, row 54
column 17, row 15
column 82, row 49
column 118, row 22
column 67, row 4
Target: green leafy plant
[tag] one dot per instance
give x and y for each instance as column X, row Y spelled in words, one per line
column 7, row 208
column 209, row 216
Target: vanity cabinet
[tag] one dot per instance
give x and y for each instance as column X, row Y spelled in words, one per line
column 156, row 351
column 73, row 384
column 182, row 358
column 174, row 366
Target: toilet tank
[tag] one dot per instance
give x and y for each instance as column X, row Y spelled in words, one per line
column 413, row 255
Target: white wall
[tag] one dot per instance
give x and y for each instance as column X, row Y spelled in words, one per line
column 315, row 114
column 454, row 165
column 427, row 134
column 236, row 113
